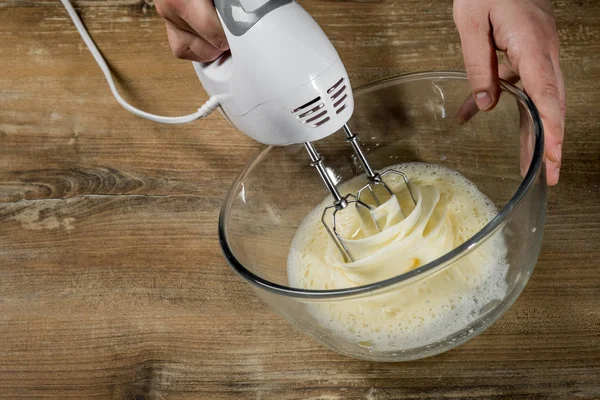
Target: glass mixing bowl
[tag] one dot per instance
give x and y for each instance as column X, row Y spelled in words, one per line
column 403, row 119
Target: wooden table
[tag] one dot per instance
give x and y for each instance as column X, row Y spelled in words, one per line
column 112, row 284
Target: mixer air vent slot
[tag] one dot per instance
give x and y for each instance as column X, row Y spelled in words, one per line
column 312, row 113
column 339, row 110
column 338, row 95
column 338, row 83
column 310, row 103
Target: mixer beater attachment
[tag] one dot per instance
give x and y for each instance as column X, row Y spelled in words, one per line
column 374, row 179
column 339, row 202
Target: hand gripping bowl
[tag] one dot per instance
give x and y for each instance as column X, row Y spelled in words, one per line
column 403, row 119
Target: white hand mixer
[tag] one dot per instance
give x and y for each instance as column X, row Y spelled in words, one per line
column 281, row 83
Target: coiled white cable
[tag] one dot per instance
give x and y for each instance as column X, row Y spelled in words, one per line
column 202, row 112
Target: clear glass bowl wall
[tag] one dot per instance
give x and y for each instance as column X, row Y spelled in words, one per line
column 404, row 119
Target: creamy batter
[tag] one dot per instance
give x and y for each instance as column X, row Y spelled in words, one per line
column 449, row 210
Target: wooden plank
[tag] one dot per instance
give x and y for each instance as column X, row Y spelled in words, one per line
column 112, row 284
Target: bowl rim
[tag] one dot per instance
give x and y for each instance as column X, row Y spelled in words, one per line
column 489, row 229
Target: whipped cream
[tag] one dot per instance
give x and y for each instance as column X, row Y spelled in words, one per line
column 449, row 210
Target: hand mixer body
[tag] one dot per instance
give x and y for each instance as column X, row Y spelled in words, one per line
column 283, row 81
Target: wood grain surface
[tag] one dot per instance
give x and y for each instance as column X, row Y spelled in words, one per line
column 112, row 283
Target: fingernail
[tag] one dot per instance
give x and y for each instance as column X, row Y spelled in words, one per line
column 558, row 153
column 483, row 100
column 556, row 175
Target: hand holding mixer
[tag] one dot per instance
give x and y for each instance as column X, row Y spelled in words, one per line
column 281, row 83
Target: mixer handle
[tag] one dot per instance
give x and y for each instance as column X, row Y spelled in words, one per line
column 237, row 20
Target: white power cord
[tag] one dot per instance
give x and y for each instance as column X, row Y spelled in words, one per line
column 202, row 112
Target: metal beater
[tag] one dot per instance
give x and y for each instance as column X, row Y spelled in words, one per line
column 339, row 202
column 374, row 179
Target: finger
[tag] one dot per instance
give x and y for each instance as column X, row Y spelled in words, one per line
column 552, row 171
column 169, row 10
column 527, row 138
column 553, row 46
column 479, row 53
column 507, row 73
column 202, row 17
column 469, row 108
column 553, row 43
column 555, row 165
column 562, row 92
column 540, row 82
column 190, row 47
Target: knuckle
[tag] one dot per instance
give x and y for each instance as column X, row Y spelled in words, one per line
column 546, row 18
column 563, row 107
column 222, row 42
column 516, row 50
column 175, row 5
column 167, row 7
column 550, row 89
column 538, row 33
column 217, row 39
column 180, row 50
column 211, row 29
column 542, row 24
